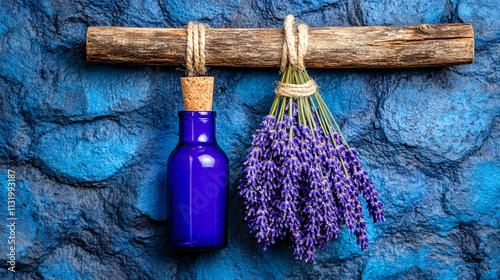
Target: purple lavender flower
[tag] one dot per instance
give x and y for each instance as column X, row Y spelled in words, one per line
column 258, row 185
column 351, row 209
column 288, row 204
column 364, row 184
column 300, row 179
column 312, row 212
column 360, row 231
column 331, row 213
column 279, row 138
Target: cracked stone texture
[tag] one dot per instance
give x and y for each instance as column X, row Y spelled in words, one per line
column 89, row 145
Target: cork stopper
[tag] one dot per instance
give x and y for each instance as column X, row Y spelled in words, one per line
column 197, row 93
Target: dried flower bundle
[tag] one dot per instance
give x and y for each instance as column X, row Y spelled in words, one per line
column 301, row 180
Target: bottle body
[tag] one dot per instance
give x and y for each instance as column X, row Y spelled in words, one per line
column 198, row 179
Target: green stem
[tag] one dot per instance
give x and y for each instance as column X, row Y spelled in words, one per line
column 282, row 110
column 310, row 120
column 338, row 128
column 301, row 111
column 306, row 107
column 330, row 114
column 290, row 114
column 274, row 108
column 324, row 115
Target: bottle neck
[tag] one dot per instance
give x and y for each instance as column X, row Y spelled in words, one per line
column 196, row 127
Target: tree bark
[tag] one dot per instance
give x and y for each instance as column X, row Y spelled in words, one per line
column 328, row 47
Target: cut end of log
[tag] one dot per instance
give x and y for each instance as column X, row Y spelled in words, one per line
column 197, row 93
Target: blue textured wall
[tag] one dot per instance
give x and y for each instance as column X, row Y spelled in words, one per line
column 89, row 145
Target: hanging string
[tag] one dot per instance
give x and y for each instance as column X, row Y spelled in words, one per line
column 296, row 59
column 289, row 52
column 303, row 38
column 195, row 49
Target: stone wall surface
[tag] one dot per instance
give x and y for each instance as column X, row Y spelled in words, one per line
column 89, row 145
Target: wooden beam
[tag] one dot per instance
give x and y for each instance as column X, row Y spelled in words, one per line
column 329, row 47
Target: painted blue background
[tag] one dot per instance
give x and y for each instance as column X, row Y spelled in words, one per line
column 89, row 145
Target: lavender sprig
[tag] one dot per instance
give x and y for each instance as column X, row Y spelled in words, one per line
column 300, row 178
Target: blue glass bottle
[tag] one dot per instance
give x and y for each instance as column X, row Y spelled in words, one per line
column 198, row 180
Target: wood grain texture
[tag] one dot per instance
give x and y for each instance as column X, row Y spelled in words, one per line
column 328, row 47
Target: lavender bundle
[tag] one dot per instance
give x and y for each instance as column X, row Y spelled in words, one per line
column 301, row 181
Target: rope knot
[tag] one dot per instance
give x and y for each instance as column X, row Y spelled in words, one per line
column 296, row 59
column 195, row 50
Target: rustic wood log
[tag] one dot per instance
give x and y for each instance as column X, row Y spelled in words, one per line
column 329, row 47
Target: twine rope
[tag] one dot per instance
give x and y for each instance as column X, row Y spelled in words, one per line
column 296, row 59
column 195, row 49
column 296, row 90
